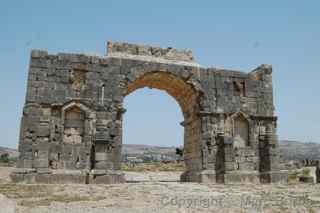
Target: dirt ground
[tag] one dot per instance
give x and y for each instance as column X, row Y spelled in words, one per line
column 4, row 174
column 147, row 193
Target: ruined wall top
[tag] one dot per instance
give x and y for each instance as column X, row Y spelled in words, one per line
column 146, row 52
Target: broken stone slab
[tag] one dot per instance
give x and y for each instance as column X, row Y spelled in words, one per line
column 241, row 177
column 24, row 170
column 105, row 172
column 98, row 172
column 7, row 205
column 306, row 179
column 145, row 50
column 44, row 171
column 106, row 177
column 69, row 172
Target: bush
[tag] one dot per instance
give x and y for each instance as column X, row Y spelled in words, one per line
column 4, row 158
column 293, row 178
column 306, row 172
column 179, row 152
column 154, row 167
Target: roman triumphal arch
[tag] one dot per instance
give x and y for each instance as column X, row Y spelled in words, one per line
column 71, row 127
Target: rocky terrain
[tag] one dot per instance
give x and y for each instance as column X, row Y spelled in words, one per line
column 162, row 192
column 147, row 192
column 295, row 150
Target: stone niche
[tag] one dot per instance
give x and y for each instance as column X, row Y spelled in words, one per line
column 71, row 127
column 240, row 131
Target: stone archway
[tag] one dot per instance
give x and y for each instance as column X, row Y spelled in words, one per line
column 187, row 98
column 89, row 90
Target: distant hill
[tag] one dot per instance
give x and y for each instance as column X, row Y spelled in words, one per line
column 295, row 150
column 141, row 148
column 289, row 150
column 12, row 152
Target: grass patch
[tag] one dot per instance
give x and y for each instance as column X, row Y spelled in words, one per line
column 41, row 195
column 16, row 191
column 306, row 172
column 154, row 167
column 57, row 198
column 292, row 178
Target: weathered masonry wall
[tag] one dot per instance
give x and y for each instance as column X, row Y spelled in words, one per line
column 71, row 128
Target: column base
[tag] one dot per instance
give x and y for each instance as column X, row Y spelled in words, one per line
column 205, row 176
column 274, row 177
column 106, row 177
column 241, row 177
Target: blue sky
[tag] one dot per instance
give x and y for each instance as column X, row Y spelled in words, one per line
column 230, row 34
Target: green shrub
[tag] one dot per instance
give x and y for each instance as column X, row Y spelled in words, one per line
column 292, row 178
column 306, row 172
column 4, row 158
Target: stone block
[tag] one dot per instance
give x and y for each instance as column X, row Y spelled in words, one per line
column 229, row 166
column 101, row 156
column 274, row 177
column 108, row 178
column 242, row 177
column 41, row 163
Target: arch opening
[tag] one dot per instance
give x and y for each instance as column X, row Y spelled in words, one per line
column 187, row 98
column 156, row 122
column 177, row 88
column 152, row 132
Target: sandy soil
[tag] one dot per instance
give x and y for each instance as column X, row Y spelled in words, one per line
column 4, row 174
